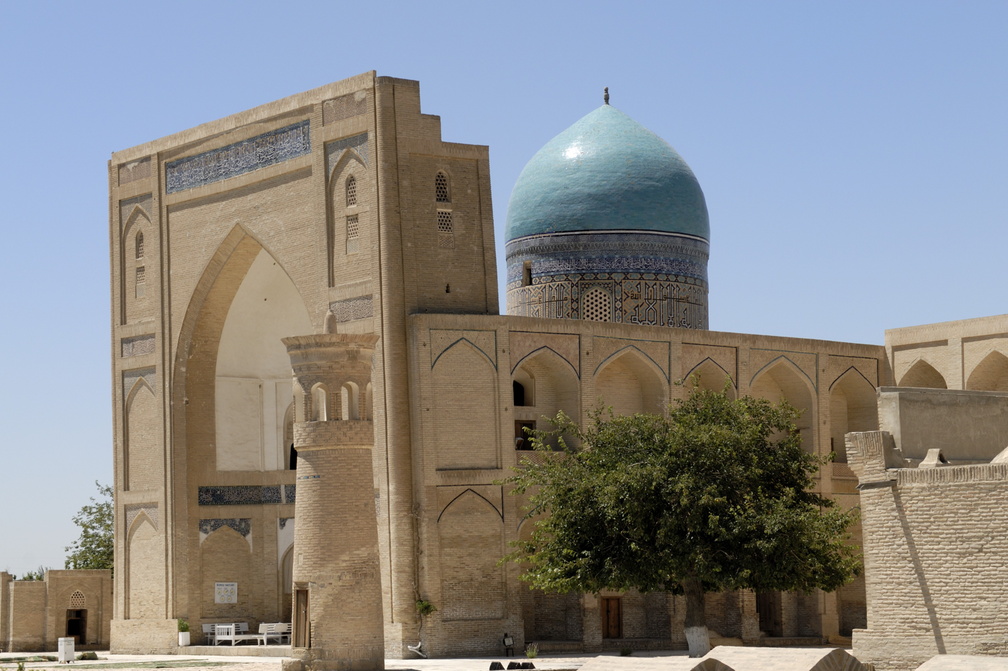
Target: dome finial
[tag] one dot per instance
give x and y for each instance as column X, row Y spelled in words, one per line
column 605, row 95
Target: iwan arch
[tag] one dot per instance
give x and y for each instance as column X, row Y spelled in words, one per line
column 340, row 214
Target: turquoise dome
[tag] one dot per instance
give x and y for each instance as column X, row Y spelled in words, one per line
column 607, row 173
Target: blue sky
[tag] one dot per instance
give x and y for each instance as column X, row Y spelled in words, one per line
column 853, row 156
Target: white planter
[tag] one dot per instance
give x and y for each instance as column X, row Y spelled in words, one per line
column 183, row 638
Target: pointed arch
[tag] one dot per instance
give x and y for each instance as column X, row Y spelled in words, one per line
column 466, row 492
column 349, row 157
column 211, row 369
column 631, row 382
column 465, row 341
column 470, row 535
column 923, row 374
column 991, row 374
column 474, row 404
column 554, row 387
column 137, row 217
column 709, row 374
column 144, row 580
column 542, row 350
column 782, row 379
column 853, row 407
column 141, row 447
column 226, row 556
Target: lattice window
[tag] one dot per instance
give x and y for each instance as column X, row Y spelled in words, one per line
column 77, row 600
column 139, row 245
column 141, row 281
column 352, row 234
column 441, row 192
column 446, row 230
column 596, row 305
column 351, row 191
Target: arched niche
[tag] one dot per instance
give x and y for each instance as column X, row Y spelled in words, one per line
column 470, row 541
column 991, row 374
column 783, row 380
column 853, row 407
column 225, row 556
column 710, row 375
column 253, row 375
column 550, row 386
column 143, row 467
column 145, row 577
column 923, row 374
column 473, row 405
column 631, row 383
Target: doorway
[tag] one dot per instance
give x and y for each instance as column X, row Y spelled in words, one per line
column 612, row 618
column 301, row 637
column 768, row 605
column 76, row 625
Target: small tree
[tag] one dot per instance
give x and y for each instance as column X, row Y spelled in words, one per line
column 94, row 547
column 714, row 495
column 37, row 574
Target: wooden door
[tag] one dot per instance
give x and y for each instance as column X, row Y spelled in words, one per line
column 301, row 637
column 768, row 605
column 612, row 620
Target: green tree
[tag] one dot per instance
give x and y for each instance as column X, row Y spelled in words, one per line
column 714, row 495
column 93, row 549
column 37, row 574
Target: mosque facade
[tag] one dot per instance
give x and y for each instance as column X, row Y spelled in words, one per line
column 341, row 214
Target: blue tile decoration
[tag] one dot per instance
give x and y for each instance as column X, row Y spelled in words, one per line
column 650, row 278
column 606, row 173
column 239, row 158
column 244, row 495
column 242, row 525
column 361, row 307
column 334, row 150
column 137, row 346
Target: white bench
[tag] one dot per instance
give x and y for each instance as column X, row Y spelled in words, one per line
column 235, row 632
column 209, row 635
column 277, row 630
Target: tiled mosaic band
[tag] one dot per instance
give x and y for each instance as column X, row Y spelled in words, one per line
column 242, row 525
column 246, row 495
column 238, row 158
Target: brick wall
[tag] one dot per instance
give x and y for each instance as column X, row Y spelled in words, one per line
column 934, row 559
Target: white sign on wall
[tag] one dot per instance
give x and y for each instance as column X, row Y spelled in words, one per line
column 226, row 592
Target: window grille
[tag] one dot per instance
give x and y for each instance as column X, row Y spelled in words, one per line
column 352, row 234
column 139, row 245
column 446, row 236
column 441, row 193
column 351, row 191
column 596, row 305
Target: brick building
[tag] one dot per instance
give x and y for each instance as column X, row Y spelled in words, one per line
column 341, row 211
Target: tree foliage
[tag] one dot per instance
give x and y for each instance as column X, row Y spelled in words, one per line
column 714, row 495
column 93, row 549
column 37, row 574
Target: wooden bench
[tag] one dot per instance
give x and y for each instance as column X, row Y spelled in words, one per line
column 208, row 630
column 236, row 632
column 277, row 630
